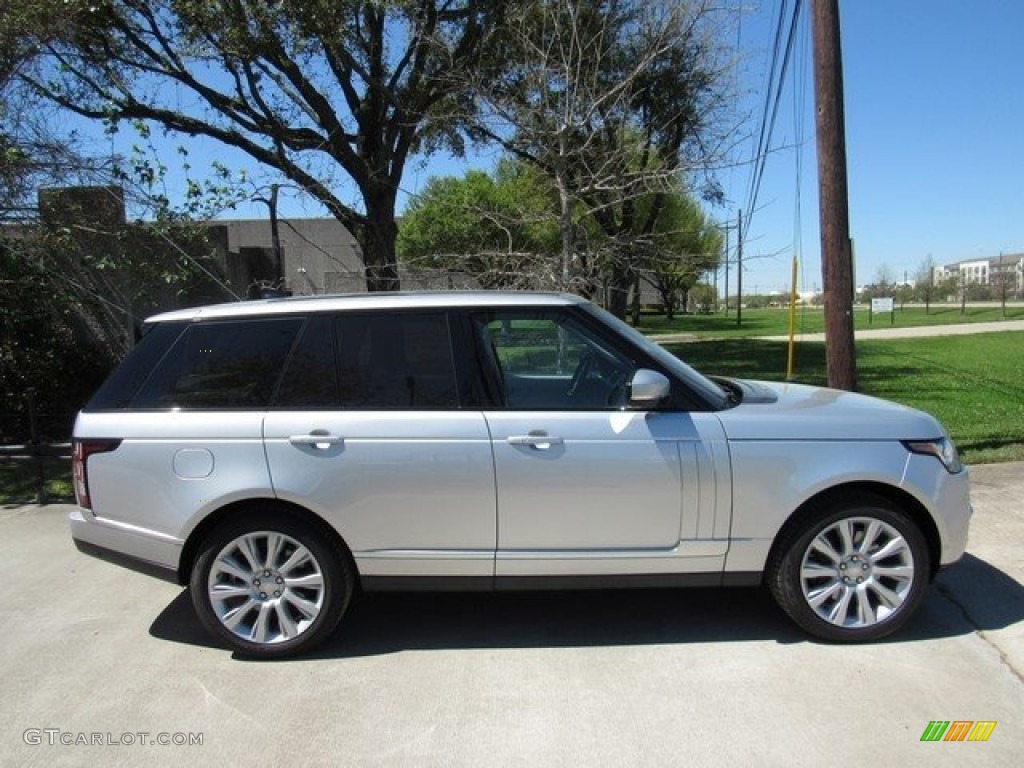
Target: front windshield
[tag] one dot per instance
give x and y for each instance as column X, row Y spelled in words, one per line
column 697, row 381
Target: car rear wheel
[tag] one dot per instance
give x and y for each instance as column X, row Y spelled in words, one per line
column 270, row 585
column 852, row 573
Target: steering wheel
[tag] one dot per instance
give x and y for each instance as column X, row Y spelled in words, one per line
column 586, row 364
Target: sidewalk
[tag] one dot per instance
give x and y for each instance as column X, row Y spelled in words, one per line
column 957, row 329
column 961, row 329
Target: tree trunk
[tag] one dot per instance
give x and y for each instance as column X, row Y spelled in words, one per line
column 376, row 238
column 668, row 303
column 618, row 286
column 635, row 309
column 565, row 229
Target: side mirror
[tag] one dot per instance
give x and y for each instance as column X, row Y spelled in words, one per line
column 648, row 387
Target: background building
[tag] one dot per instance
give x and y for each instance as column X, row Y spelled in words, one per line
column 1004, row 270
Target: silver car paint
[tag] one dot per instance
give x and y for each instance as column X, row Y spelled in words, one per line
column 627, row 492
column 141, row 505
column 813, row 439
column 417, row 494
column 412, row 493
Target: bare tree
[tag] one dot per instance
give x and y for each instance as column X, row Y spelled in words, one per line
column 613, row 100
column 924, row 281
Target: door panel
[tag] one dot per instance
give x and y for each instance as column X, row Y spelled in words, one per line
column 411, row 493
column 610, row 493
column 602, row 480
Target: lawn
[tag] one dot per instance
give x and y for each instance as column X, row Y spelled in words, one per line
column 18, row 480
column 775, row 321
column 973, row 384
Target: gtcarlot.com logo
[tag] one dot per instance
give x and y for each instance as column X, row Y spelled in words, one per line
column 55, row 737
column 958, row 730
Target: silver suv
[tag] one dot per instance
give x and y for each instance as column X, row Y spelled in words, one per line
column 279, row 455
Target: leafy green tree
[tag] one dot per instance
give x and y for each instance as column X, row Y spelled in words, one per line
column 43, row 345
column 499, row 229
column 305, row 87
column 504, row 230
column 684, row 245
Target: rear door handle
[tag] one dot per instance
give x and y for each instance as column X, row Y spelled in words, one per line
column 539, row 440
column 318, row 438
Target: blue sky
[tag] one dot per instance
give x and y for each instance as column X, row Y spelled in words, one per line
column 935, row 141
column 934, row 96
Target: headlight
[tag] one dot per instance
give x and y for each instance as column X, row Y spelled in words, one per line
column 942, row 449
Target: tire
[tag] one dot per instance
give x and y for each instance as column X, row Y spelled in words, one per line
column 270, row 584
column 853, row 571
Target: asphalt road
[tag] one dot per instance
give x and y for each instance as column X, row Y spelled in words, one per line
column 655, row 678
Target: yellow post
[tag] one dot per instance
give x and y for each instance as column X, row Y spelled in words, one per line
column 792, row 323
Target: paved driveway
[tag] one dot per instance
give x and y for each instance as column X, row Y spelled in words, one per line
column 658, row 678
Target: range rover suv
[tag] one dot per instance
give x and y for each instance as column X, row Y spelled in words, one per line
column 279, row 455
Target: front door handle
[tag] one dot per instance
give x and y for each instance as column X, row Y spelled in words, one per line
column 536, row 439
column 318, row 438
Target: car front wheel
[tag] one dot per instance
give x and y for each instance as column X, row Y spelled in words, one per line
column 852, row 573
column 270, row 585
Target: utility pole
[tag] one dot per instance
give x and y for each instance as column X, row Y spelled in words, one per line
column 834, row 215
column 726, row 227
column 739, row 269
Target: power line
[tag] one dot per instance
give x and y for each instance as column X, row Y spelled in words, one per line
column 773, row 96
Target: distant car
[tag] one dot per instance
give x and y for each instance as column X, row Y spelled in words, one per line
column 279, row 455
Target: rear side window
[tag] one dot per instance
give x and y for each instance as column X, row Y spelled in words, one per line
column 395, row 361
column 228, row 364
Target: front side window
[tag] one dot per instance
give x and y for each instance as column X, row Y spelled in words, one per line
column 548, row 360
column 226, row 364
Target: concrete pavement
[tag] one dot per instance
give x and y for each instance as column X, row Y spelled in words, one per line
column 961, row 329
column 650, row 678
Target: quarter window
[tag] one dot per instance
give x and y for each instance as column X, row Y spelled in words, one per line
column 230, row 364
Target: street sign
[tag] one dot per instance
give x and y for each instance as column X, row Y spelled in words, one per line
column 882, row 305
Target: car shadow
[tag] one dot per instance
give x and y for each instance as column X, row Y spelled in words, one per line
column 972, row 596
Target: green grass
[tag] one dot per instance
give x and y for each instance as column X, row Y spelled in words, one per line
column 18, row 480
column 775, row 321
column 973, row 384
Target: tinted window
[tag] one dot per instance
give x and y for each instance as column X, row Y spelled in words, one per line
column 395, row 361
column 310, row 379
column 118, row 390
column 548, row 360
column 230, row 364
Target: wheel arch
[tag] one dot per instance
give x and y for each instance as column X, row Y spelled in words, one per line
column 823, row 500
column 190, row 550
